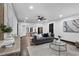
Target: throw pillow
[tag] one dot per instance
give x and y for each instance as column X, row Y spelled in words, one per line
column 39, row 36
column 45, row 35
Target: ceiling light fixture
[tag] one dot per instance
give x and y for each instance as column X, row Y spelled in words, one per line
column 26, row 17
column 60, row 15
column 40, row 18
column 31, row 7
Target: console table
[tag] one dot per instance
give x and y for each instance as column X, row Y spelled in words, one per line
column 11, row 51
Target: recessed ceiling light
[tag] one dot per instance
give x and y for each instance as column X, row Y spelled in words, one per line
column 60, row 15
column 26, row 17
column 31, row 7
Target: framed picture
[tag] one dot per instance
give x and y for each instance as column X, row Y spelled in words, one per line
column 71, row 26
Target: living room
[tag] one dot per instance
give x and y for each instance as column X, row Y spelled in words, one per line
column 58, row 20
column 67, row 12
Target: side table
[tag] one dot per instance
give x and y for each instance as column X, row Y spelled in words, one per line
column 59, row 46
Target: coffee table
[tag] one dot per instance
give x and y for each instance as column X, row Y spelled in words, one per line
column 58, row 46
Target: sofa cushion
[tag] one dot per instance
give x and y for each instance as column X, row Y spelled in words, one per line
column 45, row 35
column 39, row 36
column 52, row 35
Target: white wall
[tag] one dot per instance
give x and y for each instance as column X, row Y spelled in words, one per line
column 10, row 18
column 44, row 25
column 58, row 30
column 22, row 28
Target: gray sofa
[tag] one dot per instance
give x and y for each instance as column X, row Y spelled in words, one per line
column 42, row 40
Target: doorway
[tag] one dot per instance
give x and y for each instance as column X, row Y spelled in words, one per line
column 51, row 28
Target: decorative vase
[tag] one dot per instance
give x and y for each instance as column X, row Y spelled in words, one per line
column 59, row 39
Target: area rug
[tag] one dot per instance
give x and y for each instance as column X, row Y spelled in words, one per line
column 44, row 50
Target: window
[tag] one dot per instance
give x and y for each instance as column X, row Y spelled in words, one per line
column 40, row 30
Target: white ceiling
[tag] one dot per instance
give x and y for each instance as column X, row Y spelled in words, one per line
column 51, row 11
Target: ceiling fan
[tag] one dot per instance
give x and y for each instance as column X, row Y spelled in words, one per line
column 40, row 18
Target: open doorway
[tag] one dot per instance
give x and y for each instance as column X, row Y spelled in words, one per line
column 51, row 28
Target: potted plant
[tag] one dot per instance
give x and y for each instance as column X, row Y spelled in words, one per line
column 5, row 29
column 59, row 38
